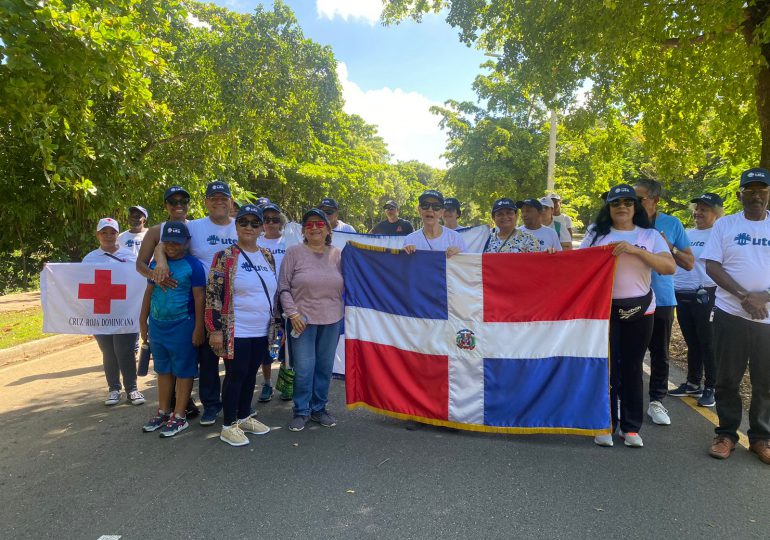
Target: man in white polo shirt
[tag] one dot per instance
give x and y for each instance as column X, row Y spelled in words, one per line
column 548, row 221
column 738, row 260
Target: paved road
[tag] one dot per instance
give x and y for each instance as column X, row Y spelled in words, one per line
column 72, row 468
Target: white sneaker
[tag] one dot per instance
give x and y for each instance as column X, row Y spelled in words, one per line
column 252, row 425
column 136, row 397
column 113, row 398
column 603, row 440
column 658, row 413
column 634, row 440
column 234, row 435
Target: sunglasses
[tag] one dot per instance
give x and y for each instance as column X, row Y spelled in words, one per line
column 434, row 206
column 628, row 203
column 272, row 220
column 177, row 202
column 253, row 223
column 315, row 225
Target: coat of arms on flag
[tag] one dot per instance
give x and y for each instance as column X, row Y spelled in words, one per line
column 508, row 343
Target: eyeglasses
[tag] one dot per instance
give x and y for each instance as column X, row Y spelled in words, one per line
column 434, row 206
column 315, row 224
column 755, row 191
column 253, row 223
column 177, row 202
column 628, row 203
column 272, row 220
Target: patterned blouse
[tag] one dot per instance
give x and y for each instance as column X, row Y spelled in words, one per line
column 518, row 242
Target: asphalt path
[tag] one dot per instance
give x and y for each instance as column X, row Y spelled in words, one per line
column 73, row 468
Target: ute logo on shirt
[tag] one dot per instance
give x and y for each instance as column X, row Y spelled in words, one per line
column 249, row 268
column 214, row 240
column 130, row 243
column 742, row 239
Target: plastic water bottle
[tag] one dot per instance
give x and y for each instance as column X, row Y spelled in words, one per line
column 144, row 359
column 294, row 333
column 275, row 346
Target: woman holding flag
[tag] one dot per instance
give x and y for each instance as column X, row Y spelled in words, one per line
column 623, row 224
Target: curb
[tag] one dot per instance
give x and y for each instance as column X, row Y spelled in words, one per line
column 41, row 347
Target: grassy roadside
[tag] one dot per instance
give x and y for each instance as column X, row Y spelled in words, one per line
column 19, row 327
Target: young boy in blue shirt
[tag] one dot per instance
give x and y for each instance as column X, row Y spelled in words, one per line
column 175, row 329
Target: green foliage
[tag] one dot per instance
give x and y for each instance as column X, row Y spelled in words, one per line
column 105, row 104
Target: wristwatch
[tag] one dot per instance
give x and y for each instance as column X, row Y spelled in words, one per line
column 675, row 250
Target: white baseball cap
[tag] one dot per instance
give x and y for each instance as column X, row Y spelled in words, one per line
column 546, row 201
column 107, row 222
column 554, row 196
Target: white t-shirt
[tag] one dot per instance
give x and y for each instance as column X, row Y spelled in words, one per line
column 277, row 247
column 131, row 241
column 565, row 220
column 546, row 236
column 250, row 306
column 633, row 278
column 692, row 280
column 343, row 227
column 99, row 256
column 207, row 239
column 448, row 238
column 564, row 236
column 743, row 249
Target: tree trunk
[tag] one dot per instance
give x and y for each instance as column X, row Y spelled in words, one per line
column 758, row 13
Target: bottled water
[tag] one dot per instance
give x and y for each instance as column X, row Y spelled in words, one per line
column 275, row 346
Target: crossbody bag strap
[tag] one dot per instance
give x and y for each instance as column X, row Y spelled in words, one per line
column 264, row 285
column 114, row 257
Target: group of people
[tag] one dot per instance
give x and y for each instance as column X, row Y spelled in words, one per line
column 224, row 284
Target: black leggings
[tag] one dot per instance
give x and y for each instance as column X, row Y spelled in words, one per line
column 241, row 376
column 628, row 343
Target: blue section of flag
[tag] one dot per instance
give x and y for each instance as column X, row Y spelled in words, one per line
column 409, row 285
column 553, row 392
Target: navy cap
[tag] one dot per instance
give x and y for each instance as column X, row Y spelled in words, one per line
column 328, row 201
column 173, row 190
column 262, row 201
column 217, row 186
column 271, row 206
column 711, row 199
column 315, row 212
column 249, row 210
column 757, row 174
column 141, row 209
column 505, row 202
column 174, row 231
column 427, row 194
column 390, row 204
column 534, row 203
column 451, row 202
column 621, row 191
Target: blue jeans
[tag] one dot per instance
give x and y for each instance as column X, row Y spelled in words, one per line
column 312, row 356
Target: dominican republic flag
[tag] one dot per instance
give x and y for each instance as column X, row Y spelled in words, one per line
column 475, row 239
column 82, row 298
column 506, row 343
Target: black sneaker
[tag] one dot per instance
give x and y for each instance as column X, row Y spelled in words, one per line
column 323, row 418
column 707, row 398
column 192, row 410
column 686, row 389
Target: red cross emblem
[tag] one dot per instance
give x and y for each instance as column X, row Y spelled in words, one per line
column 102, row 291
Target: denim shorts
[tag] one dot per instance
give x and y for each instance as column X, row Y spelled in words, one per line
column 172, row 350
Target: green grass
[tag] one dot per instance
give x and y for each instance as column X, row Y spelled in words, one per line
column 20, row 327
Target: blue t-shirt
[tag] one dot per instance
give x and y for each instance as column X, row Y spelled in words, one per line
column 663, row 286
column 178, row 303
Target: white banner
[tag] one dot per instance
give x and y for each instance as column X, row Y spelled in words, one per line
column 474, row 237
column 83, row 298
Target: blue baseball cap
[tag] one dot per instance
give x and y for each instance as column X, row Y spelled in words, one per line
column 217, row 186
column 431, row 193
column 315, row 212
column 141, row 209
column 452, row 204
column 621, row 191
column 711, row 199
column 534, row 203
column 503, row 203
column 249, row 210
column 174, row 231
column 757, row 174
column 173, row 190
column 271, row 206
column 262, row 201
column 328, row 201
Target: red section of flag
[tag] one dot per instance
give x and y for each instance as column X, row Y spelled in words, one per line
column 102, row 291
column 526, row 287
column 396, row 380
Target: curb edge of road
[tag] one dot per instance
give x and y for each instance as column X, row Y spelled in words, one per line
column 40, row 347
